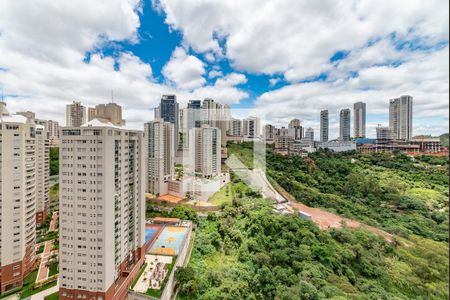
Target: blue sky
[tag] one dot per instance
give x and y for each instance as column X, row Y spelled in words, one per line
column 280, row 59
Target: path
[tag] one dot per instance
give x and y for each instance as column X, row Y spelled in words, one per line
column 47, row 253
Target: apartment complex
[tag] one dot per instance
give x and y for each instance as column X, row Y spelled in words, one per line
column 204, row 151
column 102, row 210
column 309, row 134
column 168, row 110
column 235, row 127
column 359, row 119
column 251, row 127
column 159, row 142
column 75, row 114
column 295, row 129
column 110, row 112
column 344, row 125
column 400, row 117
column 53, row 133
column 43, row 171
column 324, row 125
column 18, row 175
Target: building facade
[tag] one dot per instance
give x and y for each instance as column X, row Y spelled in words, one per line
column 110, row 112
column 43, row 171
column 204, row 151
column 295, row 129
column 344, row 125
column 309, row 134
column 102, row 211
column 251, row 127
column 169, row 111
column 401, row 117
column 324, row 125
column 159, row 141
column 18, row 173
column 359, row 119
column 75, row 114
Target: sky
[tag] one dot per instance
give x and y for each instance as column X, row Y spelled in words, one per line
column 278, row 59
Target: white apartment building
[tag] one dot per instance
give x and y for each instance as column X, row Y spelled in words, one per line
column 309, row 135
column 43, row 171
column 18, row 174
column 251, row 127
column 75, row 114
column 204, row 151
column 400, row 117
column 53, row 133
column 159, row 142
column 102, row 210
column 295, row 129
column 235, row 127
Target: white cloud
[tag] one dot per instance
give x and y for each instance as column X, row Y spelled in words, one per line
column 185, row 71
column 214, row 74
column 42, row 61
column 297, row 38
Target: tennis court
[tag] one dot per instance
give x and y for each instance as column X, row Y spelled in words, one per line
column 151, row 231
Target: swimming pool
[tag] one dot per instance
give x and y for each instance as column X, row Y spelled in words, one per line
column 169, row 241
column 151, row 231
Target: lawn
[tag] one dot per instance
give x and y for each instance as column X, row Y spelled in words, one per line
column 40, row 249
column 53, row 269
column 54, row 296
column 224, row 195
column 28, row 286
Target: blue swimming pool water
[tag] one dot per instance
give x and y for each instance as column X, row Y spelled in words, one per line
column 150, row 233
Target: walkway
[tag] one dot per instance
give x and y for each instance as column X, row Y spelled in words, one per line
column 47, row 253
column 44, row 293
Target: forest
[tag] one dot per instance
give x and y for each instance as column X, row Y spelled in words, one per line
column 246, row 251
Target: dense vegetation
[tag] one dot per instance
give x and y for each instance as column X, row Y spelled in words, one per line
column 389, row 191
column 248, row 252
column 54, row 161
column 444, row 139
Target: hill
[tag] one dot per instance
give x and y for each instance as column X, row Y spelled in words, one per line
column 444, row 139
column 247, row 251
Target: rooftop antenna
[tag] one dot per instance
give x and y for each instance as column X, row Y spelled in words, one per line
column 112, row 96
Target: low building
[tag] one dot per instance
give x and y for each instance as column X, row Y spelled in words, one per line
column 338, row 146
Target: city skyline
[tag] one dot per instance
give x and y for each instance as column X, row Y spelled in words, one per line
column 124, row 55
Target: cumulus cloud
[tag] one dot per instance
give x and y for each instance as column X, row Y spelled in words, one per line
column 388, row 48
column 185, row 71
column 43, row 62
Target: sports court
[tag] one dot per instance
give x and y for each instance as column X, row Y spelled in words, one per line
column 169, row 241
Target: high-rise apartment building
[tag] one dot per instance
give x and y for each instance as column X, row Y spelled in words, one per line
column 43, row 171
column 359, row 119
column 309, row 134
column 159, row 141
column 296, row 131
column 168, row 110
column 75, row 114
column 91, row 111
column 251, row 126
column 102, row 210
column 53, row 132
column 344, row 128
column 236, row 127
column 18, row 173
column 269, row 132
column 205, row 151
column 324, row 125
column 401, row 117
column 110, row 112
